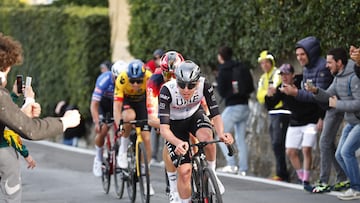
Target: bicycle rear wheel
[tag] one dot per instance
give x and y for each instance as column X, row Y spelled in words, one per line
column 119, row 181
column 131, row 178
column 105, row 178
column 144, row 179
column 211, row 192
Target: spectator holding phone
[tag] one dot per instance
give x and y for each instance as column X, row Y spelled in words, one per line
column 23, row 121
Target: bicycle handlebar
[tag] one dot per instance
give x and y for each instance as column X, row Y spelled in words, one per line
column 135, row 122
column 231, row 149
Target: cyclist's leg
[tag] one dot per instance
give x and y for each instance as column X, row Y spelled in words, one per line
column 183, row 183
column 202, row 129
column 128, row 114
column 103, row 109
column 170, row 169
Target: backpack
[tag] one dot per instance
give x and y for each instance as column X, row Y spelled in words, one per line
column 242, row 80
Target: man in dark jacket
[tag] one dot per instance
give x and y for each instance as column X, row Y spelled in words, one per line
column 236, row 92
column 315, row 72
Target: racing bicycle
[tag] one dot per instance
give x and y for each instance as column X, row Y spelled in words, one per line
column 204, row 187
column 138, row 169
column 109, row 166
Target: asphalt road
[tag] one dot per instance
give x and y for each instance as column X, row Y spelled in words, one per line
column 63, row 175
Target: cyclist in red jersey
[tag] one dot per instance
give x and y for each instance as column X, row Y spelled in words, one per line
column 168, row 63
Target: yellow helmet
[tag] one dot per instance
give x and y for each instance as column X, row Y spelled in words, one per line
column 266, row 55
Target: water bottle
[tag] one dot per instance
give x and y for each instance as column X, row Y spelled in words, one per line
column 235, row 86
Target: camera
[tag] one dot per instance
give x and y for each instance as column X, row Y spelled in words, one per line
column 19, row 83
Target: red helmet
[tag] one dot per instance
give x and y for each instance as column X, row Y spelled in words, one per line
column 170, row 60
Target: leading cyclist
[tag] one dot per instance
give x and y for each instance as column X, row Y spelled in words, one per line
column 101, row 105
column 180, row 114
column 130, row 104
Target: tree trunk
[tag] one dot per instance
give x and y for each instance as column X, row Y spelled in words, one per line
column 119, row 21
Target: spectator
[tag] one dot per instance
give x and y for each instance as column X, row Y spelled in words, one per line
column 301, row 133
column 72, row 135
column 23, row 122
column 105, row 66
column 332, row 122
column 308, row 52
column 236, row 110
column 344, row 96
column 154, row 63
column 278, row 117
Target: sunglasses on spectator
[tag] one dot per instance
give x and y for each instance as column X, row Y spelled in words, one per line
column 189, row 85
column 136, row 80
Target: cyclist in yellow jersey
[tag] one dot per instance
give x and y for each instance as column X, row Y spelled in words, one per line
column 130, row 104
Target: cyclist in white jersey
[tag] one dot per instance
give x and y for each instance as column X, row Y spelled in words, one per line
column 180, row 113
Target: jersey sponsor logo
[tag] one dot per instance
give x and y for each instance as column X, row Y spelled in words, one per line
column 11, row 190
column 98, row 90
column 181, row 102
column 122, row 80
column 211, row 89
column 165, row 97
column 161, row 105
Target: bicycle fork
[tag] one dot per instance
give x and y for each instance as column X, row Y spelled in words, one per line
column 138, row 141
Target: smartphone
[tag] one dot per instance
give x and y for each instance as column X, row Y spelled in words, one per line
column 28, row 81
column 309, row 83
column 19, row 83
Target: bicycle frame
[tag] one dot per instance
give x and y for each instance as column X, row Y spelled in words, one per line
column 137, row 144
column 111, row 146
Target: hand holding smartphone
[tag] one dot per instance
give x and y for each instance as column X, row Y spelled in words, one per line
column 28, row 81
column 28, row 90
column 19, row 84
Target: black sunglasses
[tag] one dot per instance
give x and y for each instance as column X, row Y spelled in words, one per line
column 189, row 85
column 136, row 80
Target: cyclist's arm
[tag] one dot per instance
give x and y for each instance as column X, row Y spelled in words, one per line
column 152, row 106
column 117, row 111
column 164, row 114
column 94, row 109
column 119, row 97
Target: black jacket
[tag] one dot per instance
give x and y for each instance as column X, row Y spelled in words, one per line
column 224, row 82
column 302, row 113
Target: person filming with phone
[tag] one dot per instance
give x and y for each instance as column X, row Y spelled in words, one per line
column 24, row 122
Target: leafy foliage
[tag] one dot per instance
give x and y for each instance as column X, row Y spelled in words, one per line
column 102, row 3
column 63, row 47
column 198, row 28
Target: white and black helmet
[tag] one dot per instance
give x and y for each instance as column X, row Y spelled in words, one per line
column 118, row 67
column 187, row 71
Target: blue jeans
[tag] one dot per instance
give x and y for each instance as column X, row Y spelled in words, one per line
column 235, row 118
column 345, row 154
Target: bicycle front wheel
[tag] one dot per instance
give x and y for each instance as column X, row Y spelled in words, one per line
column 118, row 177
column 144, row 179
column 196, row 189
column 105, row 178
column 211, row 192
column 131, row 178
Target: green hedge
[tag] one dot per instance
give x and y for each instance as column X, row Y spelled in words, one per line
column 63, row 48
column 198, row 28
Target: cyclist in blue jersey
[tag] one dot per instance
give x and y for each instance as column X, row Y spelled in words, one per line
column 101, row 106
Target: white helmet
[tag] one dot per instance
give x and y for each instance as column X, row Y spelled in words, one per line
column 118, row 67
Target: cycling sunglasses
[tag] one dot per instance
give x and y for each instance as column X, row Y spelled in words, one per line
column 136, row 80
column 189, row 85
